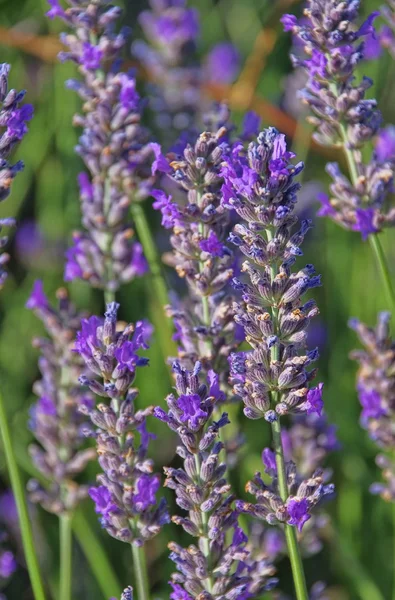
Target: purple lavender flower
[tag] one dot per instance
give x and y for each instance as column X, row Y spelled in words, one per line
column 113, row 145
column 298, row 511
column 223, row 63
column 221, row 565
column 342, row 115
column 376, row 391
column 55, row 418
column 385, row 144
column 126, row 495
column 13, row 120
column 8, row 564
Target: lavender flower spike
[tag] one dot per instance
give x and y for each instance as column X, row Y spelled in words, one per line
column 376, row 391
column 113, row 146
column 13, row 118
column 342, row 115
column 55, row 419
column 125, row 498
column 220, row 566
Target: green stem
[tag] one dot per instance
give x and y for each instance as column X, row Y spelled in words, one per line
column 140, row 572
column 66, row 548
column 20, row 500
column 109, row 296
column 96, row 556
column 204, row 538
column 378, row 251
column 290, row 531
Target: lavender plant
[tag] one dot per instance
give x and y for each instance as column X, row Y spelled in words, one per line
column 221, row 565
column 126, row 496
column 376, row 391
column 13, row 119
column 345, row 118
column 273, row 379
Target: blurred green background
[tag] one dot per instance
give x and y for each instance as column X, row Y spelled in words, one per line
column 360, row 548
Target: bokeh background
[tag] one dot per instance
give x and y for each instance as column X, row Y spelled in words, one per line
column 356, row 561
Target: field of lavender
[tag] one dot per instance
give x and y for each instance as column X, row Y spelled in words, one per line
column 197, row 392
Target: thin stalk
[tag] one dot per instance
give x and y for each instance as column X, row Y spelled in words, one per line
column 20, row 500
column 290, row 531
column 140, row 572
column 66, row 548
column 374, row 241
column 205, row 540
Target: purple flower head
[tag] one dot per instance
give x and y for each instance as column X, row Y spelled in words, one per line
column 372, row 47
column 91, row 57
column 314, row 402
column 171, row 215
column 212, row 245
column 46, row 406
column 274, row 543
column 146, row 488
column 86, row 187
column 269, row 460
column 237, row 366
column 102, row 498
column 215, row 390
column 251, row 124
column 128, row 96
column 223, row 63
column 191, row 410
column 145, row 436
column 364, row 222
column 56, row 10
column 73, row 269
column 86, row 340
column 385, row 144
column 367, row 27
column 160, row 163
column 298, row 511
column 7, row 564
column 8, row 510
column 239, row 537
column 372, row 407
column 178, row 592
column 127, row 357
column 326, row 209
column 138, row 260
column 37, row 298
column 16, row 122
column 289, row 22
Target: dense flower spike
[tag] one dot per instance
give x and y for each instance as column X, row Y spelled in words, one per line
column 169, row 57
column 13, row 118
column 55, row 419
column 113, row 146
column 376, row 391
column 205, row 330
column 343, row 116
column 126, row 496
column 220, row 566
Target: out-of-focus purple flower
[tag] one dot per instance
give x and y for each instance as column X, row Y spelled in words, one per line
column 8, row 564
column 223, row 63
column 365, row 222
column 178, row 592
column 373, row 48
column 251, row 123
column 37, row 299
column 56, row 11
column 372, row 406
column 8, row 510
column 298, row 510
column 91, row 56
column 289, row 22
column 385, row 144
column 326, row 209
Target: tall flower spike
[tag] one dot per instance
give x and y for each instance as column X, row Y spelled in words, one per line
column 170, row 60
column 126, row 496
column 13, row 119
column 205, row 330
column 113, row 146
column 220, row 566
column 274, row 378
column 342, row 115
column 376, row 391
column 55, row 419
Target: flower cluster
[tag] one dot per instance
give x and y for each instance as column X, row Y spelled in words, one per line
column 221, row 566
column 376, row 391
column 260, row 187
column 169, row 58
column 127, row 594
column 342, row 115
column 113, row 146
column 126, row 496
column 205, row 329
column 55, row 419
column 13, row 118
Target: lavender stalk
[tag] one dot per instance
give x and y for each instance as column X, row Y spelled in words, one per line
column 344, row 118
column 273, row 378
column 13, row 121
